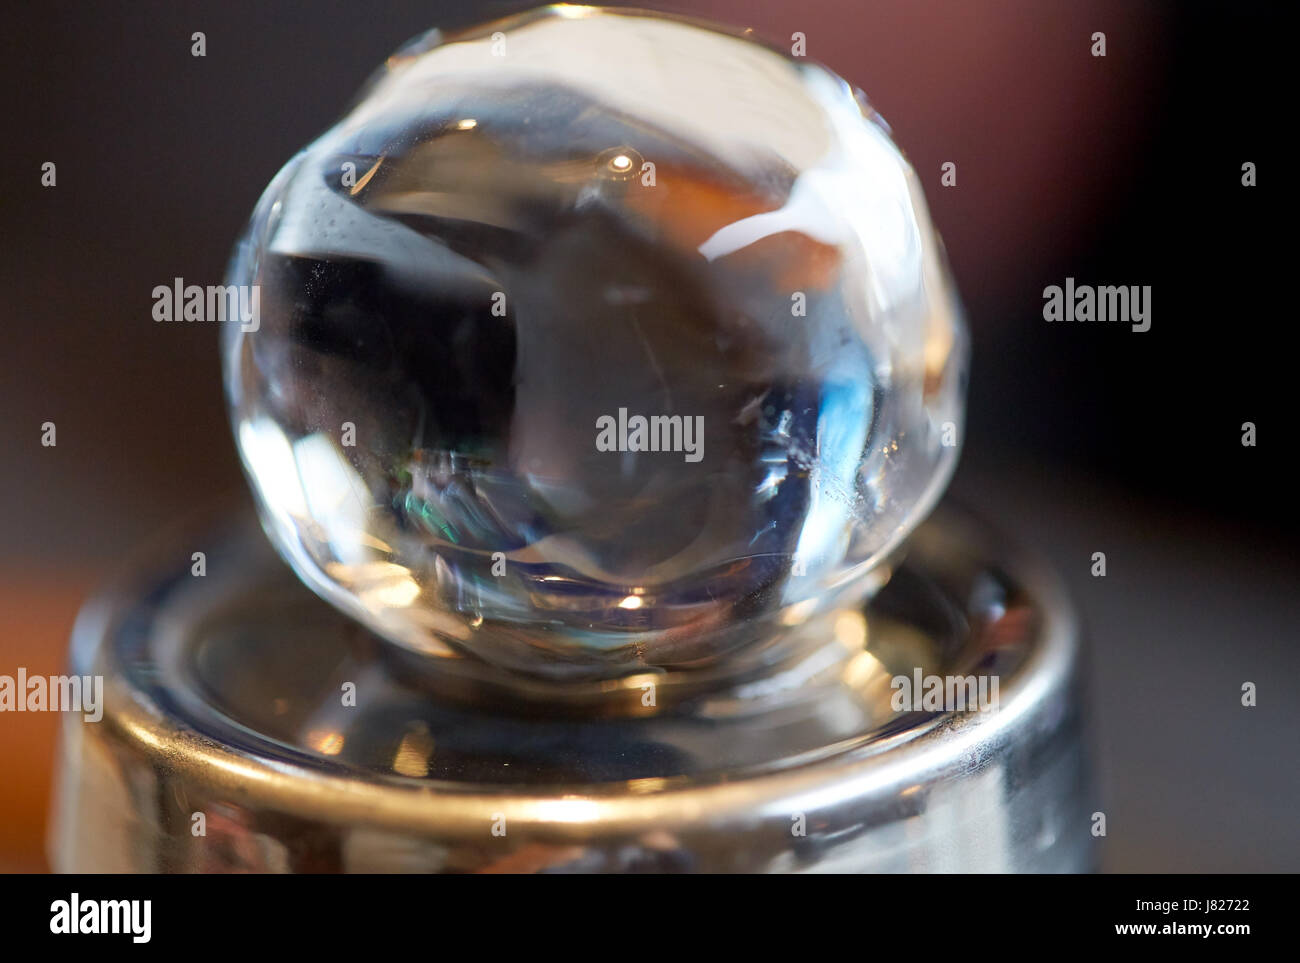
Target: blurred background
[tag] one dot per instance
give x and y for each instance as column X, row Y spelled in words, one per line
column 1081, row 438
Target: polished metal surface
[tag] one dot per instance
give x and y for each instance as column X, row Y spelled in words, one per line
column 226, row 697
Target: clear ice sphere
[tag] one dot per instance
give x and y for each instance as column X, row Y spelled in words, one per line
column 592, row 343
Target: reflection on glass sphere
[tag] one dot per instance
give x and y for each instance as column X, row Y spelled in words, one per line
column 592, row 343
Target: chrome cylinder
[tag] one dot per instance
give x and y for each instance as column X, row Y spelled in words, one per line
column 249, row 727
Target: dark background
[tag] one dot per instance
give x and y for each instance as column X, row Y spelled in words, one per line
column 1081, row 438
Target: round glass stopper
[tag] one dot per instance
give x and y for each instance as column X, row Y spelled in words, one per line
column 593, row 343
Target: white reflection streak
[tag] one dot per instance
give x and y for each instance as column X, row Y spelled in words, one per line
column 334, row 498
column 856, row 197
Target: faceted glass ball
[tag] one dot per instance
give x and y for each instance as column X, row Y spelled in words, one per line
column 595, row 342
